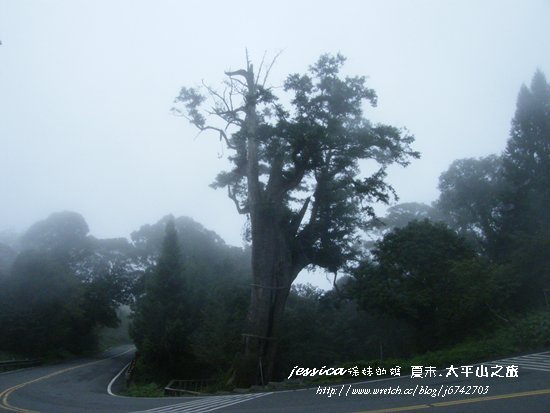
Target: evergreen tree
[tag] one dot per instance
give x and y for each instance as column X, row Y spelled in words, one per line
column 527, row 159
column 525, row 221
column 162, row 324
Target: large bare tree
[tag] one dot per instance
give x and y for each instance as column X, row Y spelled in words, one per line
column 296, row 175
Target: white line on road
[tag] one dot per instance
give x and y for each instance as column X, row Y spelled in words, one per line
column 539, row 361
column 109, row 387
column 206, row 404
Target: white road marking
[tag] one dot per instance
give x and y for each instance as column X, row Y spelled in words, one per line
column 205, row 404
column 539, row 361
column 109, row 387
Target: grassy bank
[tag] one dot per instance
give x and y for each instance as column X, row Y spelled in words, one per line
column 527, row 333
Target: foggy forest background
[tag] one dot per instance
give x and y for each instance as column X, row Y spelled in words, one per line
column 465, row 278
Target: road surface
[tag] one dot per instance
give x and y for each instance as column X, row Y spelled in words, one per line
column 81, row 386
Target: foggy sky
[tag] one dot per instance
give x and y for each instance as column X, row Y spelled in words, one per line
column 86, row 89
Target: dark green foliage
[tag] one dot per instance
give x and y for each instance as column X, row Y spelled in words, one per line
column 471, row 199
column 400, row 215
column 308, row 156
column 428, row 276
column 46, row 310
column 218, row 338
column 525, row 270
column 63, row 234
column 527, row 156
column 304, row 333
column 40, row 308
column 328, row 129
column 63, row 287
column 163, row 320
column 203, row 251
column 502, row 202
column 532, row 332
column 525, row 222
column 327, row 328
column 526, row 332
column 102, row 297
column 212, row 291
column 144, row 390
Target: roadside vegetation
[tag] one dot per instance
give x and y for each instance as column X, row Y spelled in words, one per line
column 143, row 390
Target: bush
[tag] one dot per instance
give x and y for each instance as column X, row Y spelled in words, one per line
column 144, row 390
column 532, row 332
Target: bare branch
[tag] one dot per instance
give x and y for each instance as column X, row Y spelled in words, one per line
column 223, row 106
column 240, row 72
column 221, row 98
column 230, row 111
column 222, row 133
column 260, row 68
column 269, row 68
column 339, row 292
column 231, row 86
column 334, row 280
column 234, row 79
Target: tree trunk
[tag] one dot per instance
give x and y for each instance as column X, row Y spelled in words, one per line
column 272, row 266
column 272, row 276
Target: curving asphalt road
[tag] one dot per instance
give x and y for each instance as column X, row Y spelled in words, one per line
column 76, row 386
column 81, row 386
